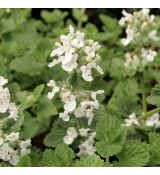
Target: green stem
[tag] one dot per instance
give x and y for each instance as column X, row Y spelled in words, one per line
column 79, row 25
column 150, row 113
column 144, row 103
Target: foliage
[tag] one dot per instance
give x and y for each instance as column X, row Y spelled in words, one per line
column 25, row 47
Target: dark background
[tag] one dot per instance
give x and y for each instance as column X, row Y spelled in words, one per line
column 94, row 13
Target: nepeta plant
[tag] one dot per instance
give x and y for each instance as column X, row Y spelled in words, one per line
column 11, row 146
column 86, row 92
column 78, row 55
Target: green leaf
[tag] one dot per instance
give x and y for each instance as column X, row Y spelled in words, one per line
column 154, row 149
column 54, row 16
column 25, row 161
column 27, row 64
column 154, row 97
column 133, row 154
column 55, row 137
column 61, row 157
column 45, row 108
column 125, row 98
column 91, row 161
column 32, row 126
column 79, row 15
column 28, row 99
column 111, row 26
column 110, row 134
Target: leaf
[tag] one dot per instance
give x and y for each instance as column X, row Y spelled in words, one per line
column 45, row 108
column 27, row 64
column 125, row 98
column 61, row 157
column 133, row 154
column 79, row 15
column 28, row 99
column 25, row 161
column 54, row 16
column 91, row 161
column 110, row 134
column 154, row 149
column 111, row 26
column 32, row 127
column 154, row 97
column 55, row 137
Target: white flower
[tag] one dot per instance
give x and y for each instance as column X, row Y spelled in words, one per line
column 86, row 69
column 5, row 150
column 70, row 65
column 90, row 50
column 84, row 132
column 25, row 144
column 94, row 94
column 24, row 147
column 79, row 40
column 130, row 36
column 80, row 112
column 12, row 137
column 14, row 158
column 149, row 55
column 13, row 111
column 71, row 135
column 69, row 101
column 25, row 151
column 64, row 116
column 1, row 140
column 131, row 120
column 3, row 81
column 86, row 73
column 154, row 120
column 87, row 147
column 55, row 89
column 127, row 18
column 4, row 99
column 153, row 35
column 89, row 115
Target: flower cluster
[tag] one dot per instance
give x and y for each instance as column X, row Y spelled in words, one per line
column 5, row 104
column 152, row 121
column 140, row 31
column 85, row 108
column 86, row 147
column 76, row 53
column 11, row 147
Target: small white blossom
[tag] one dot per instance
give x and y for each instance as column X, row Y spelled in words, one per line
column 13, row 111
column 1, row 140
column 153, row 121
column 12, row 137
column 71, row 135
column 55, row 89
column 79, row 40
column 3, row 81
column 24, row 147
column 84, row 132
column 87, row 147
column 149, row 55
column 86, row 73
column 64, row 116
column 80, row 112
column 153, row 35
column 90, row 50
column 69, row 101
column 130, row 36
column 131, row 120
